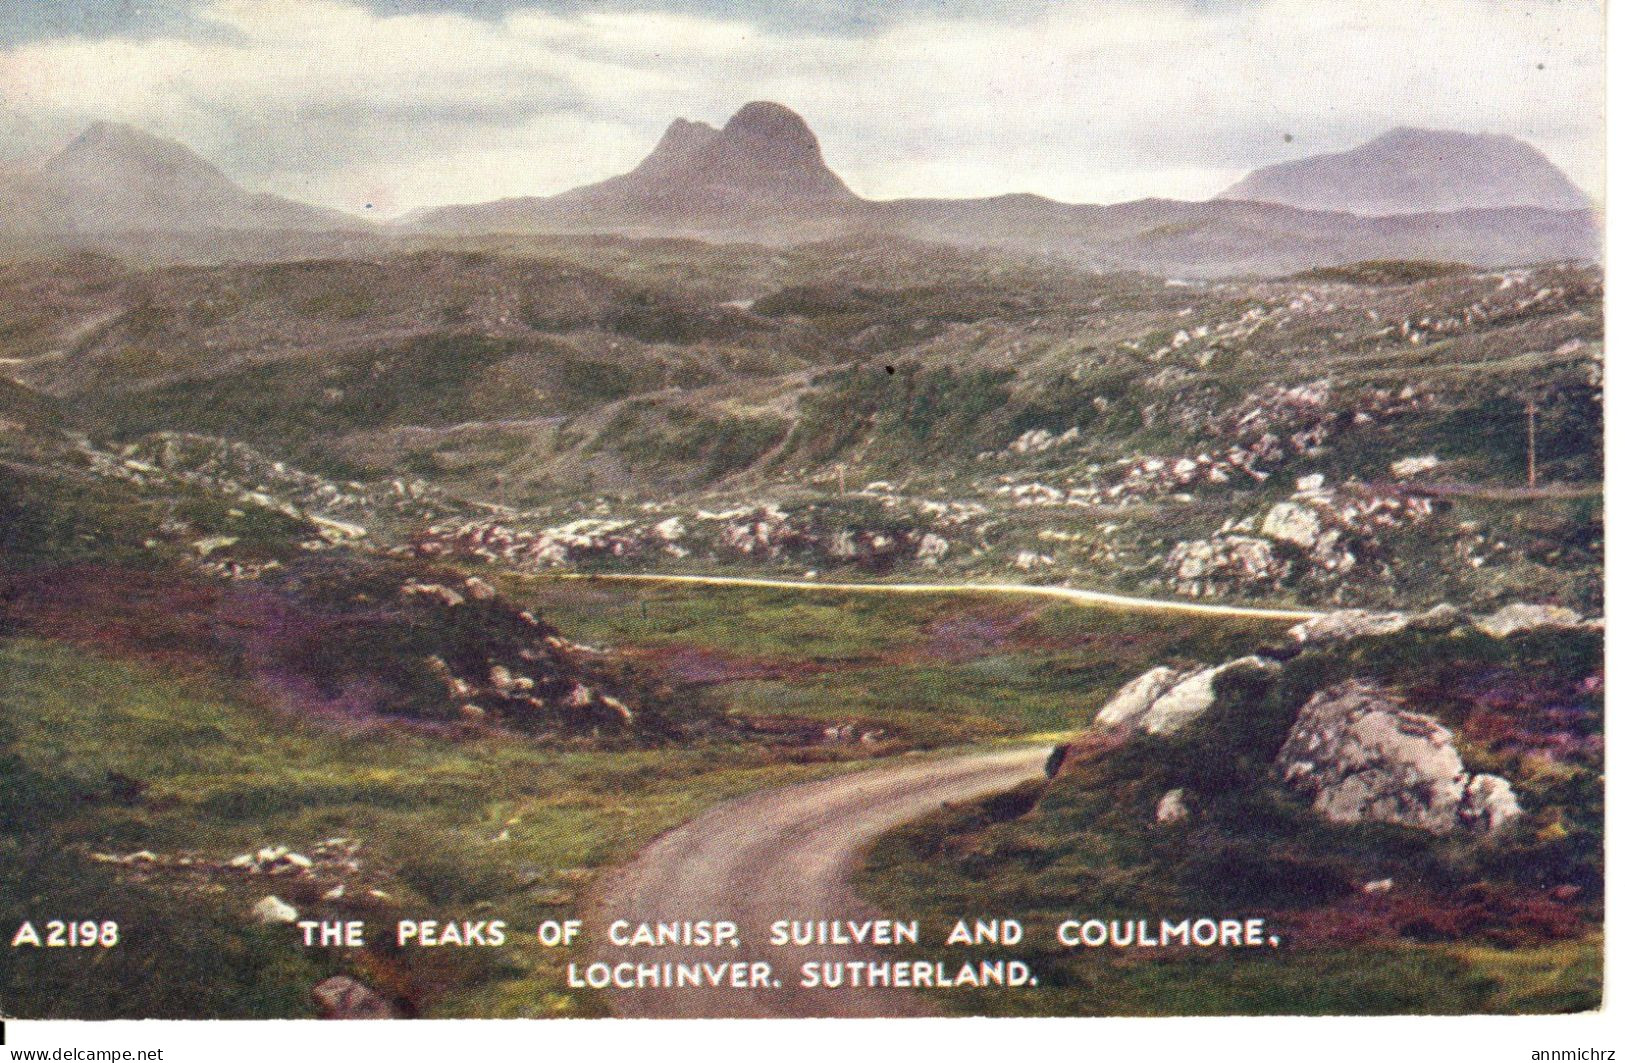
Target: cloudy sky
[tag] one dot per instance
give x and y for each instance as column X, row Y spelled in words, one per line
column 405, row 103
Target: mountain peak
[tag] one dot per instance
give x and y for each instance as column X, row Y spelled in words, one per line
column 104, row 142
column 114, row 177
column 682, row 140
column 766, row 120
column 105, row 131
column 765, row 158
column 769, row 147
column 684, row 133
column 1409, row 170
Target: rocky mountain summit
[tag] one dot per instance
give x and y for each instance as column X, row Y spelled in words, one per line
column 766, row 156
column 114, row 178
column 1415, row 171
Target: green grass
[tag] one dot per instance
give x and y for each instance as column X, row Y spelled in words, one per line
column 752, row 622
column 219, row 774
column 932, row 668
column 222, row 776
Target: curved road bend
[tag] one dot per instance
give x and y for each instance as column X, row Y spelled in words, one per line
column 783, row 854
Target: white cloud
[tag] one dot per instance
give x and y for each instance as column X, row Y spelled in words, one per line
column 1093, row 101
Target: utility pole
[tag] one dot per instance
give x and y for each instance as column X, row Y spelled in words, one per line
column 1529, row 411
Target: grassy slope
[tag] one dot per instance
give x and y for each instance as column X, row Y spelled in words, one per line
column 215, row 775
column 931, row 668
column 222, row 777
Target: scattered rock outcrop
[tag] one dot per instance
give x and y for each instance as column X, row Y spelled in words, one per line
column 1366, row 759
column 1321, row 534
column 752, row 533
column 1515, row 619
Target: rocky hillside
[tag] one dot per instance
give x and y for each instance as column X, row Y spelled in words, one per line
column 1356, row 436
column 199, row 573
column 1412, row 803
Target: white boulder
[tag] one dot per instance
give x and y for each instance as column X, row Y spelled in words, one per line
column 1172, row 807
column 1289, row 522
column 1193, row 696
column 1163, row 700
column 1489, row 804
column 1521, row 617
column 1130, row 703
column 1348, row 624
column 274, row 909
column 1405, row 468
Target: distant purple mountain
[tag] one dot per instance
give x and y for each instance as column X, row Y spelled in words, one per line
column 115, row 178
column 1491, row 201
column 765, row 156
column 763, row 178
column 763, row 165
column 1413, row 171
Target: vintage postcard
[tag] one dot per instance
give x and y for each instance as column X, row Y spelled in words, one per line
column 690, row 508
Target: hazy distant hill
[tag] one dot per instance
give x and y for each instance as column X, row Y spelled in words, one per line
column 1410, row 171
column 114, row 178
column 763, row 178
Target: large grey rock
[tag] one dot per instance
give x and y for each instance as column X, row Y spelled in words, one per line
column 1349, row 624
column 1193, row 696
column 342, row 997
column 1163, row 700
column 1292, row 523
column 1521, row 617
column 1132, row 702
column 1366, row 759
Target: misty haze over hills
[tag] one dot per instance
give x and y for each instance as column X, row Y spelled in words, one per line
column 1410, row 193
column 115, row 178
column 1414, row 170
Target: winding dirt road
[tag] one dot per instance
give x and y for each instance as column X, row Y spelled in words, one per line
column 783, row 854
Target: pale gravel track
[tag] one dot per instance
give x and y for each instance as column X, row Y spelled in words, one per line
column 1067, row 594
column 784, row 854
